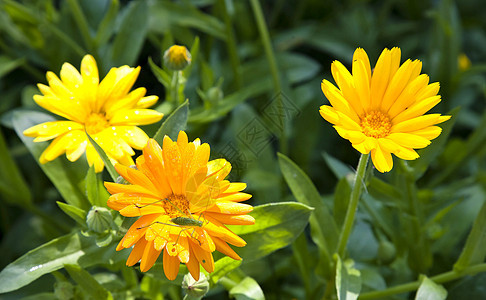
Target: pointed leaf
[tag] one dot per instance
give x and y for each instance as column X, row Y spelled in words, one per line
column 247, row 289
column 430, row 290
column 348, row 279
column 222, row 267
column 108, row 165
column 323, row 228
column 88, row 284
column 176, row 122
column 73, row 248
column 77, row 214
column 65, row 175
column 96, row 191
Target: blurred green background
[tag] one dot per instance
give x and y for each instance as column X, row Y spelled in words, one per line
column 234, row 92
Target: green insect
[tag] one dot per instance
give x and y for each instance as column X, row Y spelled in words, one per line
column 184, row 221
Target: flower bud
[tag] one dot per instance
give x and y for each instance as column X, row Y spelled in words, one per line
column 99, row 219
column 386, row 252
column 195, row 289
column 177, row 58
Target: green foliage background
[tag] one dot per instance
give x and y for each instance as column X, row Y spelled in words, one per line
column 419, row 224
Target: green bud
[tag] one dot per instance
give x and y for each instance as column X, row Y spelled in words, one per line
column 99, row 219
column 386, row 252
column 195, row 289
column 177, row 58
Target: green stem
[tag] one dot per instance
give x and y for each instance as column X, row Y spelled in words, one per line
column 421, row 258
column 175, row 87
column 267, row 45
column 441, row 278
column 231, row 44
column 353, row 205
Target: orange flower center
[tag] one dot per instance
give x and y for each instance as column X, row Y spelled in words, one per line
column 176, row 206
column 376, row 124
column 96, row 122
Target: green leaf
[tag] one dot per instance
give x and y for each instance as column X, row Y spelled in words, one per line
column 73, row 248
column 429, row 290
column 77, row 214
column 348, row 279
column 105, row 29
column 165, row 15
column 176, row 122
column 222, row 267
column 323, row 228
column 161, row 75
column 247, row 289
column 276, row 226
column 65, row 175
column 339, row 169
column 108, row 165
column 131, row 36
column 12, row 186
column 88, row 284
column 97, row 194
column 474, row 250
column 342, row 195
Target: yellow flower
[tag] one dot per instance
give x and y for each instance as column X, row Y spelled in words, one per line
column 184, row 204
column 177, row 57
column 382, row 111
column 107, row 111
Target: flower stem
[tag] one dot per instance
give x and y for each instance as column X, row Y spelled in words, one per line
column 231, row 44
column 175, row 87
column 267, row 45
column 441, row 278
column 353, row 205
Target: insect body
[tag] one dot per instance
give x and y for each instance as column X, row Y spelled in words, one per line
column 183, row 221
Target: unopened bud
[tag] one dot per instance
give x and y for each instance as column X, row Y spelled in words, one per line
column 195, row 289
column 99, row 219
column 386, row 252
column 177, row 58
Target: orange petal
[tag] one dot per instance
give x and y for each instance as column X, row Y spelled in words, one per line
column 171, row 266
column 149, row 257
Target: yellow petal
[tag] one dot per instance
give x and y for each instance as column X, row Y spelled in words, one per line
column 418, row 123
column 382, row 160
column 380, row 78
column 50, row 130
column 146, row 102
column 362, row 83
column 408, row 96
column 70, row 76
column 417, row 109
column 135, row 117
column 409, row 140
column 429, row 133
column 337, row 100
column 329, row 114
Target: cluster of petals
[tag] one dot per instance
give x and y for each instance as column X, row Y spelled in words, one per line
column 382, row 111
column 106, row 110
column 179, row 181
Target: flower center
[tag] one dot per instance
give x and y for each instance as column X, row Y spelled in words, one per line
column 376, row 124
column 96, row 122
column 176, row 206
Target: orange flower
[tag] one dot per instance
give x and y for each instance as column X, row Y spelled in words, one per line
column 184, row 204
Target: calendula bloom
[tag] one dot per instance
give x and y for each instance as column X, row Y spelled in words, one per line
column 183, row 203
column 382, row 111
column 106, row 110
